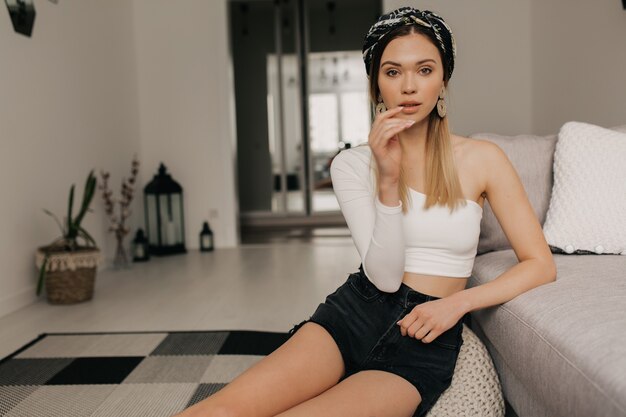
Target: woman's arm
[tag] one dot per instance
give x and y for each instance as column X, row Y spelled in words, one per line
column 375, row 224
column 520, row 278
column 510, row 204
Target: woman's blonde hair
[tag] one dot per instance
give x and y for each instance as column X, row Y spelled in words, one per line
column 441, row 177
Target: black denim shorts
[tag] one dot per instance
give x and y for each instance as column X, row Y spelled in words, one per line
column 362, row 321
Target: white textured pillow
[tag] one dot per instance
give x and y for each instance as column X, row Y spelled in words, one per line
column 587, row 210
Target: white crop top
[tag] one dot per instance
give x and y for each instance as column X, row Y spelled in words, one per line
column 432, row 241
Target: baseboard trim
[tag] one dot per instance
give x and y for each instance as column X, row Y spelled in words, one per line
column 331, row 220
column 17, row 301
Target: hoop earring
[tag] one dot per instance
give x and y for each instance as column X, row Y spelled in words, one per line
column 441, row 106
column 380, row 107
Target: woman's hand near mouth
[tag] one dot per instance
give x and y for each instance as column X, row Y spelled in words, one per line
column 385, row 145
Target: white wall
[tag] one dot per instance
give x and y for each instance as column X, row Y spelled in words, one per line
column 186, row 110
column 67, row 105
column 579, row 63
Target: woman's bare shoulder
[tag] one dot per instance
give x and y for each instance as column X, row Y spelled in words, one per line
column 474, row 154
column 473, row 149
column 466, row 148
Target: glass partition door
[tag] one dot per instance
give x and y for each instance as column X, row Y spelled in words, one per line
column 339, row 115
column 301, row 97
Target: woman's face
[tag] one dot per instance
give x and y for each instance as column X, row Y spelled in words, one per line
column 402, row 77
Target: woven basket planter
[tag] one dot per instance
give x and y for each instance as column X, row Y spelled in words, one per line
column 70, row 276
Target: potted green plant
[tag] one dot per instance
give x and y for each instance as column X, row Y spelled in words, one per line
column 67, row 268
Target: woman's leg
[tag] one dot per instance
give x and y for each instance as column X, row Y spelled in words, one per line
column 365, row 393
column 307, row 364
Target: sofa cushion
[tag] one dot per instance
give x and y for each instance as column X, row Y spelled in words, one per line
column 565, row 340
column 531, row 156
column 587, row 207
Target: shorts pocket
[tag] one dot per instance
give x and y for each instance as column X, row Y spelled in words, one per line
column 363, row 287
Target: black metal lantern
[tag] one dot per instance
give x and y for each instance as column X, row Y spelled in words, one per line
column 165, row 223
column 141, row 251
column 206, row 238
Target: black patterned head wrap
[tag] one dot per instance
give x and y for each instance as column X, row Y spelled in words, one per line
column 406, row 16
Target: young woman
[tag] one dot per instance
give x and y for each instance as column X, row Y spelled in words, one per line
column 386, row 342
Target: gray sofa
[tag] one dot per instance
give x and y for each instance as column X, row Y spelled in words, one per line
column 559, row 349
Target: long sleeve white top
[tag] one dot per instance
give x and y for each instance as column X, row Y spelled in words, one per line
column 376, row 229
column 430, row 241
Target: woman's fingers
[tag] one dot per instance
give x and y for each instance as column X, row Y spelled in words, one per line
column 388, row 131
column 416, row 327
column 418, row 331
column 378, row 131
column 387, row 151
column 389, row 113
column 381, row 117
column 395, row 127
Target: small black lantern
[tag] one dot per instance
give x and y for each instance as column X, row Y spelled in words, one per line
column 165, row 223
column 206, row 238
column 141, row 251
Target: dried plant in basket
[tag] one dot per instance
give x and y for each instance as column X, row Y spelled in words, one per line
column 71, row 230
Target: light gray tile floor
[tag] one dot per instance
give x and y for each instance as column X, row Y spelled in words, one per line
column 266, row 287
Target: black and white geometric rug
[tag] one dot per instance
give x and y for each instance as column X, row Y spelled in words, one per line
column 125, row 374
